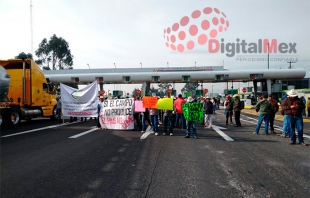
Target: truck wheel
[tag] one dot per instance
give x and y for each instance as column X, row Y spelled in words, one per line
column 14, row 116
column 54, row 116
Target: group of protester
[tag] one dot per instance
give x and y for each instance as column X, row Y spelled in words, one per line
column 175, row 118
column 292, row 110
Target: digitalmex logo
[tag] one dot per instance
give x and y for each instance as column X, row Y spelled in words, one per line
column 201, row 28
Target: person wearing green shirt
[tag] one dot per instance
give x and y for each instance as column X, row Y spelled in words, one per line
column 264, row 108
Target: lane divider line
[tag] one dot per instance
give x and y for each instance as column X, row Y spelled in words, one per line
column 84, row 133
column 39, row 129
column 218, row 130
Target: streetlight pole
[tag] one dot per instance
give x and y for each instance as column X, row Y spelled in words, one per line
column 212, row 91
column 141, row 64
column 88, row 65
column 167, row 64
column 114, row 65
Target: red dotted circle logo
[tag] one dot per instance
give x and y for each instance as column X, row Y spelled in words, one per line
column 195, row 29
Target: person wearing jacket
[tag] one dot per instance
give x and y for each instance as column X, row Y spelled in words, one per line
column 293, row 107
column 179, row 112
column 237, row 110
column 208, row 111
column 229, row 106
column 264, row 108
column 274, row 110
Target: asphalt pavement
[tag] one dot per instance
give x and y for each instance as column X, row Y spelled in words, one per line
column 41, row 158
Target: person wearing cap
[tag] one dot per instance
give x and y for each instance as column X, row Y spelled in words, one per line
column 179, row 112
column 191, row 124
column 208, row 111
column 237, row 110
column 58, row 109
column 99, row 107
column 293, row 107
column 264, row 108
column 229, row 106
column 274, row 110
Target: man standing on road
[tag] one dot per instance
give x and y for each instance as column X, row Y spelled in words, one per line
column 275, row 109
column 293, row 107
column 286, row 131
column 229, row 105
column 99, row 107
column 264, row 108
column 179, row 112
column 208, row 111
column 191, row 124
column 154, row 119
column 237, row 110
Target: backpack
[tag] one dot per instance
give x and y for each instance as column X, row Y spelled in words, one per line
column 241, row 105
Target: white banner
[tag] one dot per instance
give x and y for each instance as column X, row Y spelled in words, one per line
column 79, row 103
column 117, row 114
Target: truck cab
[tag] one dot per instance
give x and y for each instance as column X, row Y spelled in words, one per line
column 29, row 94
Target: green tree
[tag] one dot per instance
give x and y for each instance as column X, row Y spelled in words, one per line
column 190, row 87
column 55, row 52
column 23, row 55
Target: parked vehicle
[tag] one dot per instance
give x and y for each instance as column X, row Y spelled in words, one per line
column 24, row 92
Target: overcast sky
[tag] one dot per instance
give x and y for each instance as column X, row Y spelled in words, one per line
column 127, row 32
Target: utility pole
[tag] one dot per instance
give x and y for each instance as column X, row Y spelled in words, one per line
column 290, row 62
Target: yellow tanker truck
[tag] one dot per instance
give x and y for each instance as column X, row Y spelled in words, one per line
column 24, row 92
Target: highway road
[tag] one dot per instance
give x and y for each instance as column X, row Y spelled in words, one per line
column 41, row 158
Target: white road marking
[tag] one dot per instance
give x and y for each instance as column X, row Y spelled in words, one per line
column 218, row 130
column 39, row 129
column 145, row 135
column 148, row 131
column 84, row 133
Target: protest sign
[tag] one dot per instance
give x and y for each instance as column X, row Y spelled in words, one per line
column 188, row 94
column 79, row 103
column 149, row 102
column 193, row 111
column 117, row 114
column 139, row 106
column 165, row 103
